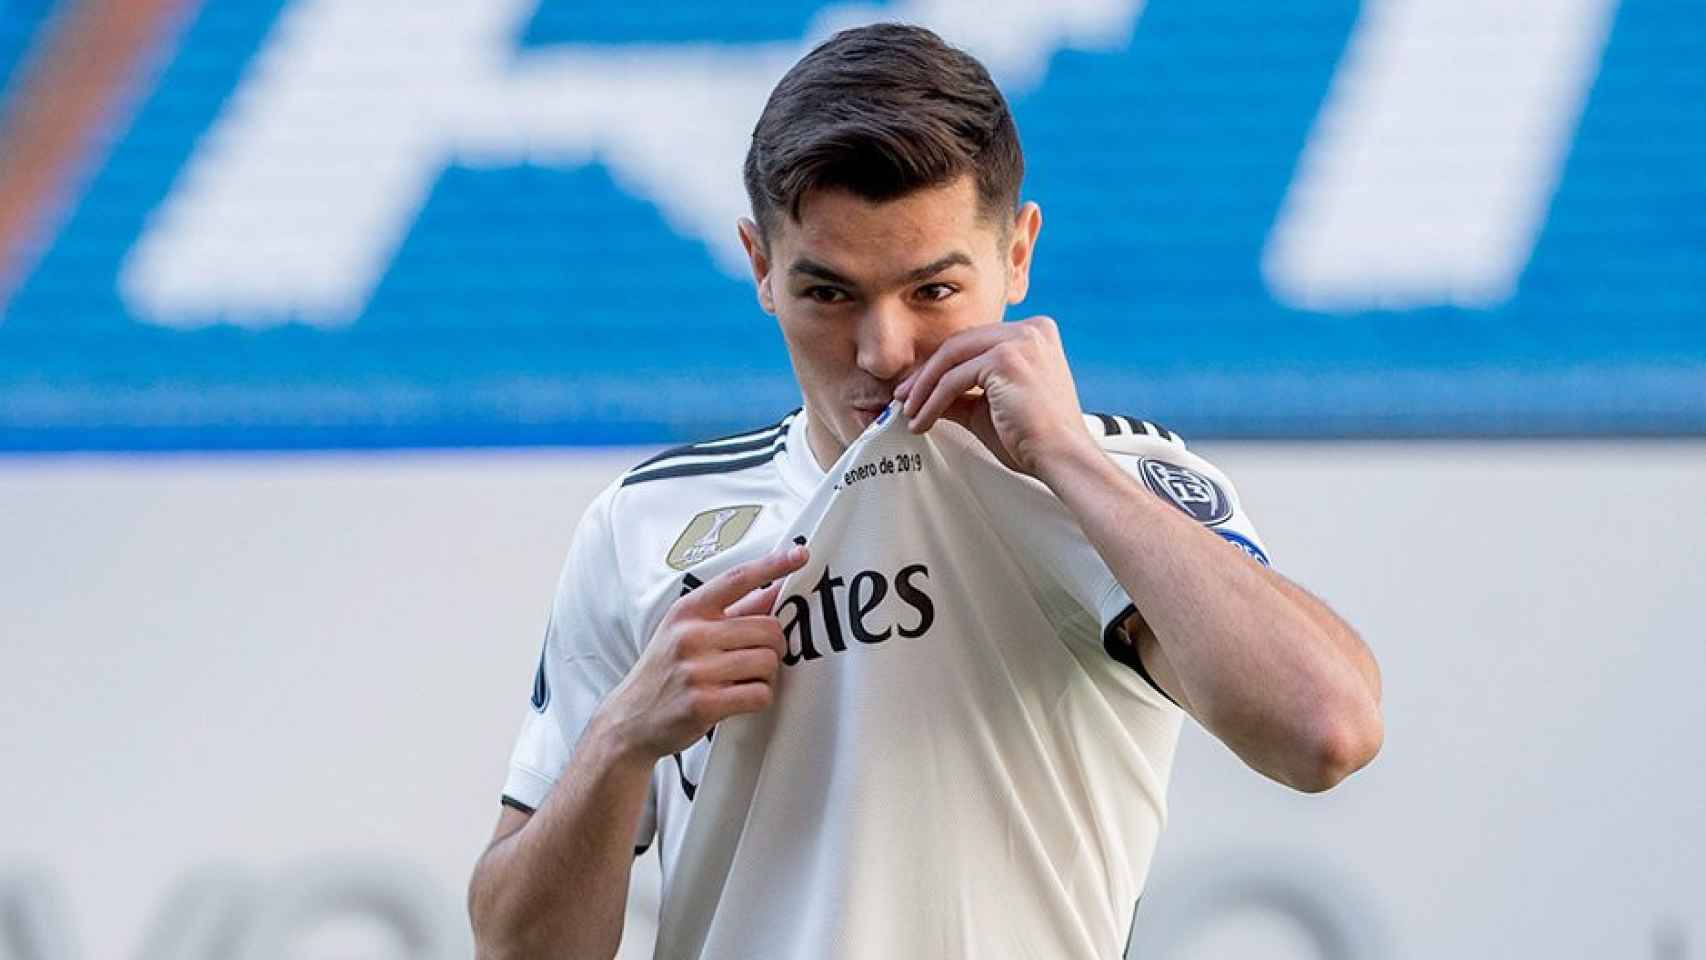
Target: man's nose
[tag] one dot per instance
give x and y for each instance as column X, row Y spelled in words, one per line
column 887, row 342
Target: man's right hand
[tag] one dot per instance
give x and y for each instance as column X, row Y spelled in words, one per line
column 554, row 882
column 715, row 654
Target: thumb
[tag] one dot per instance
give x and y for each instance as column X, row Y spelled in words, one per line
column 972, row 412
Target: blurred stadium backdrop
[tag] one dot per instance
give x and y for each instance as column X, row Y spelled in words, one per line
column 405, row 238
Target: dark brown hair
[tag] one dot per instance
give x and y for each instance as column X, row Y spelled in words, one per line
column 882, row 111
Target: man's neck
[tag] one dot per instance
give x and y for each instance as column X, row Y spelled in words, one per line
column 825, row 448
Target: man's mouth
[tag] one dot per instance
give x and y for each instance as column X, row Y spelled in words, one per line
column 867, row 413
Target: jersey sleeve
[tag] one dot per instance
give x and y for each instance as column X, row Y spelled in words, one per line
column 1053, row 546
column 1161, row 464
column 588, row 649
column 1158, row 460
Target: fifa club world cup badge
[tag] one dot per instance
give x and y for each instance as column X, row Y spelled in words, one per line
column 710, row 533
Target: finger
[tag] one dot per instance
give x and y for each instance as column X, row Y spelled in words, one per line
column 760, row 631
column 746, row 665
column 725, row 588
column 954, row 351
column 745, row 698
column 759, row 601
column 951, row 387
column 972, row 412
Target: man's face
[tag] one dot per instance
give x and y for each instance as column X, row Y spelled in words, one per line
column 865, row 291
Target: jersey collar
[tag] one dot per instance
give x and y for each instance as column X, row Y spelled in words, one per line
column 800, row 471
column 798, row 466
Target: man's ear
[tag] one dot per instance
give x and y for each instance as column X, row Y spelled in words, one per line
column 1021, row 244
column 756, row 253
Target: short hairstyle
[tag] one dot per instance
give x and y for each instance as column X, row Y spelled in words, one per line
column 881, row 111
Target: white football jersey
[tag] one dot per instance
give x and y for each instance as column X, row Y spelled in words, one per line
column 964, row 757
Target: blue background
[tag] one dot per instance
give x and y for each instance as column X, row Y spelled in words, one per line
column 1160, row 168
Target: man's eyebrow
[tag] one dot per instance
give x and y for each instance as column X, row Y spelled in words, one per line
column 955, row 259
column 811, row 268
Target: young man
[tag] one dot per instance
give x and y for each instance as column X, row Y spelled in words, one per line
column 962, row 749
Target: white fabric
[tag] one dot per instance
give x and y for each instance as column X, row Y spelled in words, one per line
column 954, row 765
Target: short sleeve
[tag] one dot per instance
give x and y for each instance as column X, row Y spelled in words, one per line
column 588, row 649
column 1199, row 489
column 1050, row 544
column 1192, row 484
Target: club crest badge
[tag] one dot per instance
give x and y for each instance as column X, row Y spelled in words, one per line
column 710, row 533
column 1189, row 490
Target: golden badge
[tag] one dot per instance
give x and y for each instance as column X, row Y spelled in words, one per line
column 710, row 533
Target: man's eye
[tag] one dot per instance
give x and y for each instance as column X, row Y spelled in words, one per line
column 936, row 291
column 825, row 294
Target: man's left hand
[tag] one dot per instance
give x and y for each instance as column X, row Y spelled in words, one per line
column 1028, row 413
